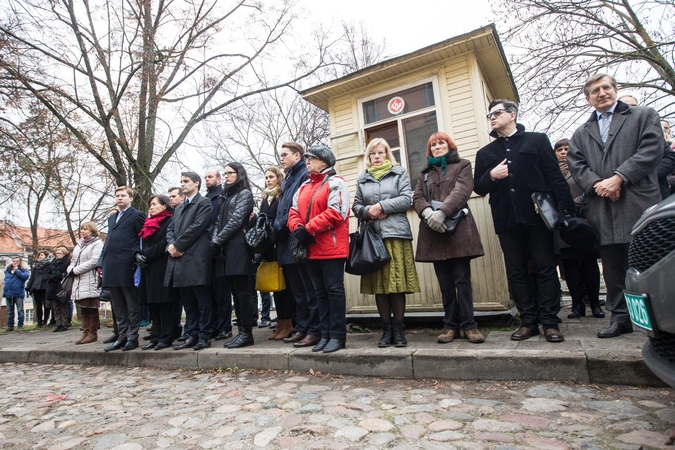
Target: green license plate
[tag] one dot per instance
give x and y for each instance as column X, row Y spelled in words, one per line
column 639, row 311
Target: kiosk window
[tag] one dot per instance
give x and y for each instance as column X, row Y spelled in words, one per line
column 414, row 99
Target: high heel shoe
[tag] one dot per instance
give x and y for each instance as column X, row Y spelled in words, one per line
column 577, row 311
column 334, row 345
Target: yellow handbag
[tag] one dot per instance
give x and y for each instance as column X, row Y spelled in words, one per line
column 270, row 277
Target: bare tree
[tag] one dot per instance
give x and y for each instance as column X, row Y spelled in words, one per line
column 133, row 78
column 557, row 44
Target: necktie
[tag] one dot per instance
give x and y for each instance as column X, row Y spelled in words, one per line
column 119, row 216
column 605, row 120
column 187, row 201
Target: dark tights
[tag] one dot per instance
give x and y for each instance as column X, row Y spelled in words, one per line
column 390, row 303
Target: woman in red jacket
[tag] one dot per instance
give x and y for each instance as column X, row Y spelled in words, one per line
column 318, row 219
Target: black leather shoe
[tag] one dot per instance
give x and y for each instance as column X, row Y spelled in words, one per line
column 111, row 339
column 597, row 312
column 162, row 345
column 334, row 345
column 523, row 333
column 553, row 335
column 223, row 335
column 295, row 337
column 189, row 343
column 574, row 315
column 321, row 345
column 147, row 338
column 614, row 330
column 264, row 324
column 307, row 341
column 243, row 339
column 55, row 330
column 149, row 345
column 202, row 344
column 183, row 338
column 130, row 345
column 118, row 344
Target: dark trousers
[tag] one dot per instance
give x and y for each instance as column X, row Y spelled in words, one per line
column 580, row 272
column 266, row 300
column 161, row 315
column 177, row 313
column 302, row 289
column 244, row 302
column 454, row 278
column 614, row 266
column 60, row 310
column 285, row 303
column 328, row 279
column 145, row 313
column 197, row 304
column 223, row 303
column 540, row 305
column 127, row 308
column 40, row 308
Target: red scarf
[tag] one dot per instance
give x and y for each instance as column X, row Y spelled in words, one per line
column 152, row 224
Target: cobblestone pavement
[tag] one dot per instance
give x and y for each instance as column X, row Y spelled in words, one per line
column 59, row 407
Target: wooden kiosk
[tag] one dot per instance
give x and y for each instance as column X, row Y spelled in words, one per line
column 446, row 86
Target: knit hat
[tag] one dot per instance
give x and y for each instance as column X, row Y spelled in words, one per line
column 323, row 153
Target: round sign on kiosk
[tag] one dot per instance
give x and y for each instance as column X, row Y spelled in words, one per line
column 396, row 105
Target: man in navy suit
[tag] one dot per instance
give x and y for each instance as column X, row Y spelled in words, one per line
column 116, row 264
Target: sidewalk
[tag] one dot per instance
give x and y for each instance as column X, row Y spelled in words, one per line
column 581, row 358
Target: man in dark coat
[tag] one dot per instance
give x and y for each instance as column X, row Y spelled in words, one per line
column 510, row 169
column 116, row 264
column 189, row 266
column 613, row 157
column 221, row 298
column 308, row 330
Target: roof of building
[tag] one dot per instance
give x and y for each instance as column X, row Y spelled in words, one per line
column 16, row 239
column 484, row 42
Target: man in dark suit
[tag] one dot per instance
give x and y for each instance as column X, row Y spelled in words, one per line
column 613, row 157
column 189, row 267
column 116, row 264
column 510, row 168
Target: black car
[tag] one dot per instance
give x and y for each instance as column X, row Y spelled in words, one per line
column 650, row 286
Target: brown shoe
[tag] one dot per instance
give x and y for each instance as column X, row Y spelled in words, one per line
column 524, row 333
column 308, row 341
column 82, row 338
column 285, row 327
column 295, row 337
column 474, row 336
column 446, row 336
column 553, row 335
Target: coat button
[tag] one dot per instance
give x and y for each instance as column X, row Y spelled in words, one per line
column 513, row 190
column 508, row 149
column 508, row 162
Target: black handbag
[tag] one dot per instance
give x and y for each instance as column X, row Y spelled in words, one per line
column 259, row 237
column 367, row 252
column 451, row 221
column 547, row 208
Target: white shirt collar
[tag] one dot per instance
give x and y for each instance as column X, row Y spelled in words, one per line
column 610, row 110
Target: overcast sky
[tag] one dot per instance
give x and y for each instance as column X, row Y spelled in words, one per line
column 406, row 25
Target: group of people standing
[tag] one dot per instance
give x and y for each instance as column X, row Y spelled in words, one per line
column 190, row 253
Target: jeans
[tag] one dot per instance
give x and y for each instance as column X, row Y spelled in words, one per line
column 13, row 302
column 328, row 279
column 538, row 302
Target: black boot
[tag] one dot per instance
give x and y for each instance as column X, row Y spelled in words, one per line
column 596, row 310
column 385, row 341
column 243, row 339
column 399, row 334
column 578, row 310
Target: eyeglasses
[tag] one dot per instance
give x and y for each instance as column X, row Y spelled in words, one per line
column 283, row 155
column 604, row 87
column 496, row 113
column 230, row 173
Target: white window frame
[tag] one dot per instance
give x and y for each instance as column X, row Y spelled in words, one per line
column 403, row 152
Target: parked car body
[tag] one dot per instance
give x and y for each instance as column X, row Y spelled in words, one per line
column 650, row 286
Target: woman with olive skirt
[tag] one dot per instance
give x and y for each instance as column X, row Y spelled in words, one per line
column 383, row 197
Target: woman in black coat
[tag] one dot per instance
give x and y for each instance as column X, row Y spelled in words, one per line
column 235, row 258
column 37, row 285
column 152, row 257
column 57, row 270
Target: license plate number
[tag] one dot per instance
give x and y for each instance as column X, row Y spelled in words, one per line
column 638, row 310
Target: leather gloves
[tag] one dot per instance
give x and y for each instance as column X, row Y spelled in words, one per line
column 141, row 260
column 303, row 236
column 435, row 221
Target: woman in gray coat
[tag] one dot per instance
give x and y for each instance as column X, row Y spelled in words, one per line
column 383, row 196
column 448, row 179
